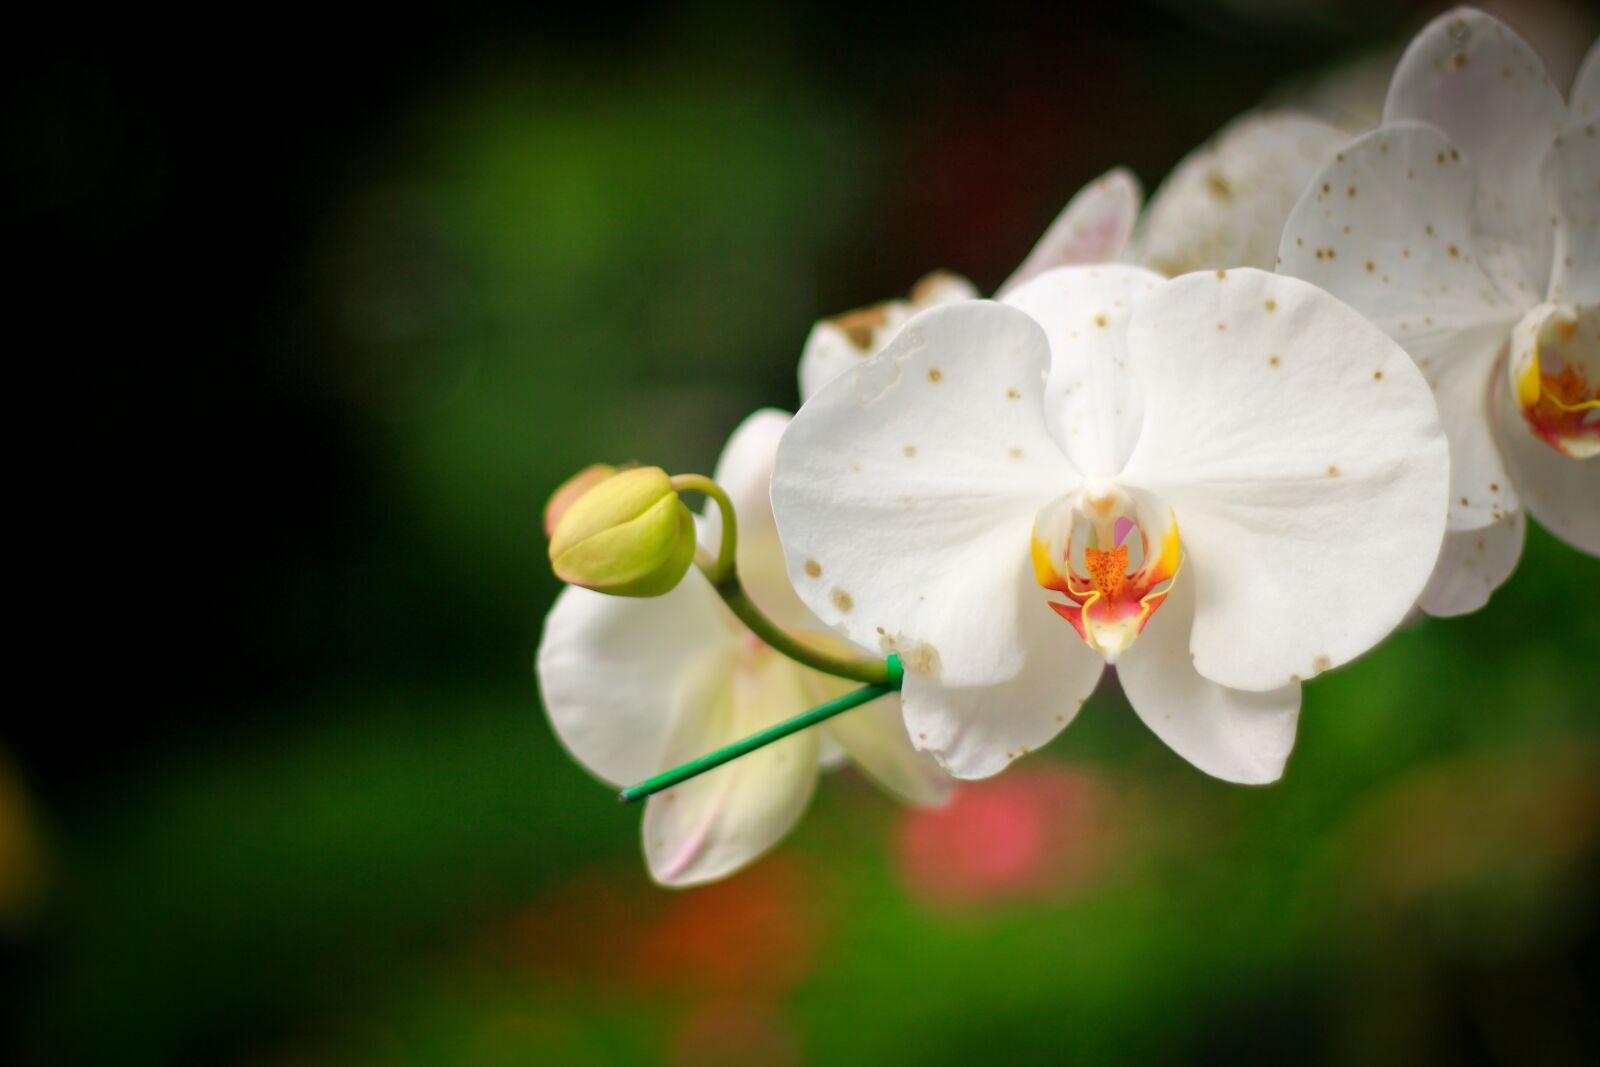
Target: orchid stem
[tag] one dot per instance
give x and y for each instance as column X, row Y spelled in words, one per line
column 728, row 551
column 821, row 713
column 853, row 668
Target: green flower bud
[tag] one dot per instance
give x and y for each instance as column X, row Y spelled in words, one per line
column 569, row 492
column 628, row 535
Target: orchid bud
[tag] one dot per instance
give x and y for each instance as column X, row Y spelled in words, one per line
column 569, row 492
column 627, row 535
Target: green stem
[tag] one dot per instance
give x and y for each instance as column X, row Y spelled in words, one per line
column 728, row 552
column 710, row 761
column 732, row 592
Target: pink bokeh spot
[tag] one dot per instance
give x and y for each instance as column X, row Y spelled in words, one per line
column 1039, row 833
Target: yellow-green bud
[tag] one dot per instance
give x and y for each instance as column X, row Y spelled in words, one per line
column 628, row 535
column 570, row 490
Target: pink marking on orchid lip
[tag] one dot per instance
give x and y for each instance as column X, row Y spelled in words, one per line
column 1124, row 524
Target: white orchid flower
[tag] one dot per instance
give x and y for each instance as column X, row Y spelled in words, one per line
column 1225, row 483
column 1467, row 227
column 634, row 687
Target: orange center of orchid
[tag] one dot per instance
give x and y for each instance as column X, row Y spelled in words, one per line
column 1108, row 571
column 1558, row 403
column 1084, row 548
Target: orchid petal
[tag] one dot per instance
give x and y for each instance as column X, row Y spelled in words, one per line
column 976, row 730
column 875, row 737
column 1476, row 80
column 1585, row 101
column 1571, row 180
column 609, row 666
column 1231, row 734
column 712, row 825
column 905, row 491
column 1384, row 227
column 1301, row 452
column 1091, row 397
column 1094, row 227
column 836, row 344
column 1472, row 565
column 1563, row 493
column 1224, row 204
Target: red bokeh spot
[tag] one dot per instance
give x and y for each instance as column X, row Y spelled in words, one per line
column 754, row 934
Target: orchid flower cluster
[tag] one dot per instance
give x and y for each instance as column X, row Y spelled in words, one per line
column 1224, row 443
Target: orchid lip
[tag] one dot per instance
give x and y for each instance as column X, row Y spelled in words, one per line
column 1084, row 548
column 1555, row 372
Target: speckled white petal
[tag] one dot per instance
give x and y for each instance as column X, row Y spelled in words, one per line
column 1091, row 400
column 1309, row 493
column 1585, row 100
column 744, row 471
column 836, row 344
column 1472, row 565
column 1094, row 227
column 1571, row 179
column 1561, row 492
column 609, row 668
column 975, row 731
column 1385, row 228
column 905, row 491
column 1231, row 734
column 1224, row 204
column 875, row 737
column 710, row 826
column 1480, row 83
column 831, row 349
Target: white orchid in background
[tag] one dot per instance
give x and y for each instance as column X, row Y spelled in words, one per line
column 636, row 686
column 1094, row 227
column 1350, row 93
column 1225, row 484
column 1467, row 227
column 1223, row 205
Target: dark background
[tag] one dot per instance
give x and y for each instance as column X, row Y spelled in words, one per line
column 313, row 308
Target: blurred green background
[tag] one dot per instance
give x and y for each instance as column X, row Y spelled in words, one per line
column 320, row 304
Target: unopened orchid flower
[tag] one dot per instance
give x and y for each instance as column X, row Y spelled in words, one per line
column 637, row 686
column 1225, row 484
column 1467, row 227
column 1223, row 205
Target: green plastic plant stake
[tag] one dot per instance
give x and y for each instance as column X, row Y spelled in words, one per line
column 821, row 713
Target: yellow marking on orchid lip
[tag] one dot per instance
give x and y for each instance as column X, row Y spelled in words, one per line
column 1171, row 548
column 1079, row 590
column 1044, row 570
column 1528, row 385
